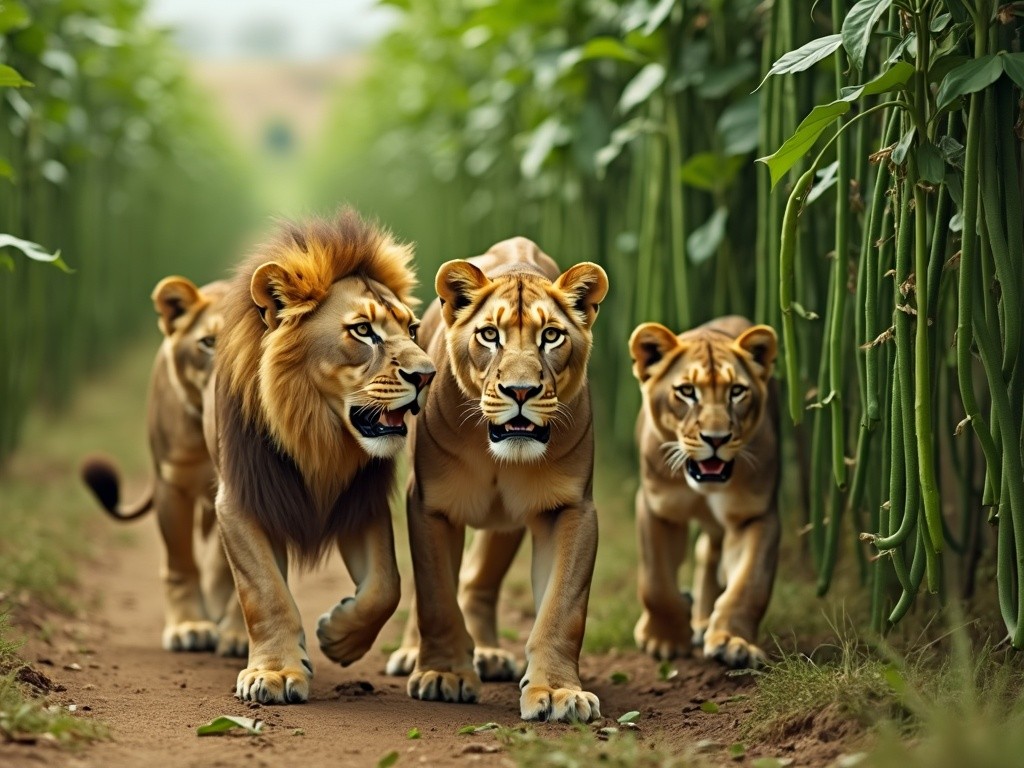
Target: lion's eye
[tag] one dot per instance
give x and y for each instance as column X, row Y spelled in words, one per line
column 488, row 335
column 552, row 335
column 207, row 343
column 686, row 392
column 737, row 391
column 364, row 332
column 413, row 330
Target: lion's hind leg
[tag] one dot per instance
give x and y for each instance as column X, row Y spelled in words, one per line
column 219, row 591
column 186, row 625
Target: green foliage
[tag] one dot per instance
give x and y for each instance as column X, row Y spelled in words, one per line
column 112, row 160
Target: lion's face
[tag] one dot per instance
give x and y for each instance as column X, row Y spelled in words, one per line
column 190, row 319
column 705, row 392
column 519, row 346
column 358, row 350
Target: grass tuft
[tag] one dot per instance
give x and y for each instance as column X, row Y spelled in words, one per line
column 26, row 714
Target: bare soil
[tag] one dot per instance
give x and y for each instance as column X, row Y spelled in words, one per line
column 109, row 665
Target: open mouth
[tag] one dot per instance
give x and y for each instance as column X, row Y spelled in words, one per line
column 713, row 470
column 520, row 427
column 374, row 422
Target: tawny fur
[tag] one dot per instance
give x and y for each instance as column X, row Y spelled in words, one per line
column 713, row 380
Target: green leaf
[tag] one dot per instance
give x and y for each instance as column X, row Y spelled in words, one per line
column 1013, row 65
column 34, row 251
column 969, row 78
column 6, row 262
column 797, row 145
column 930, row 165
column 857, row 28
column 892, row 78
column 618, row 678
column 6, row 171
column 13, row 16
column 710, row 707
column 544, row 138
column 630, row 717
column 640, row 88
column 610, row 48
column 477, row 728
column 10, row 78
column 414, row 733
column 666, row 671
column 738, row 125
column 899, row 154
column 658, row 15
column 710, row 171
column 804, row 57
column 737, row 750
column 225, row 723
column 720, row 81
column 895, row 680
column 705, row 239
column 824, row 180
column 388, row 760
column 801, row 311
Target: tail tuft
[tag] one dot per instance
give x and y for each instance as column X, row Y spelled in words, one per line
column 102, row 478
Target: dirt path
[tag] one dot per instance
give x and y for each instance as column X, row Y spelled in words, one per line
column 154, row 700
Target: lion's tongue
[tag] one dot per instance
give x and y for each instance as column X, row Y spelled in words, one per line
column 711, row 466
column 392, row 418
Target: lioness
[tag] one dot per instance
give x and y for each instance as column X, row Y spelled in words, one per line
column 708, row 439
column 315, row 373
column 183, row 475
column 505, row 443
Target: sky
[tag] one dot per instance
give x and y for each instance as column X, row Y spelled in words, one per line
column 302, row 30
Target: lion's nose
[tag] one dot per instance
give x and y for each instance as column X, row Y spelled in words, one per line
column 418, row 379
column 520, row 394
column 716, row 441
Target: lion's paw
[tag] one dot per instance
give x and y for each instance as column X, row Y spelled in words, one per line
column 403, row 661
column 660, row 641
column 733, row 651
column 456, row 687
column 345, row 637
column 495, row 665
column 562, row 705
column 289, row 685
column 232, row 641
column 190, row 636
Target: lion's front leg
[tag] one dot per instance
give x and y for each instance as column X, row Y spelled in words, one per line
column 279, row 670
column 186, row 625
column 663, row 630
column 489, row 557
column 564, row 549
column 444, row 665
column 347, row 631
column 750, row 552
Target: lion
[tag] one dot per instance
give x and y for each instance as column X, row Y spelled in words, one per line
column 201, row 611
column 708, row 439
column 315, row 374
column 505, row 444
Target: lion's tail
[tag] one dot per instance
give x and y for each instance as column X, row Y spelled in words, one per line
column 104, row 481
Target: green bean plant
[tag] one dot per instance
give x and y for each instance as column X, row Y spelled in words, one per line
column 880, row 232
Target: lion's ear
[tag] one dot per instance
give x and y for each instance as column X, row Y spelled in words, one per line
column 173, row 297
column 761, row 343
column 280, row 293
column 648, row 345
column 456, row 283
column 586, row 284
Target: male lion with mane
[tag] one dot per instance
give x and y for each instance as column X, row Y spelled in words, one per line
column 505, row 443
column 708, row 438
column 314, row 377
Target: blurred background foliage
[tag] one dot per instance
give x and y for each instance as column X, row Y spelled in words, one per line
column 108, row 155
column 626, row 133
